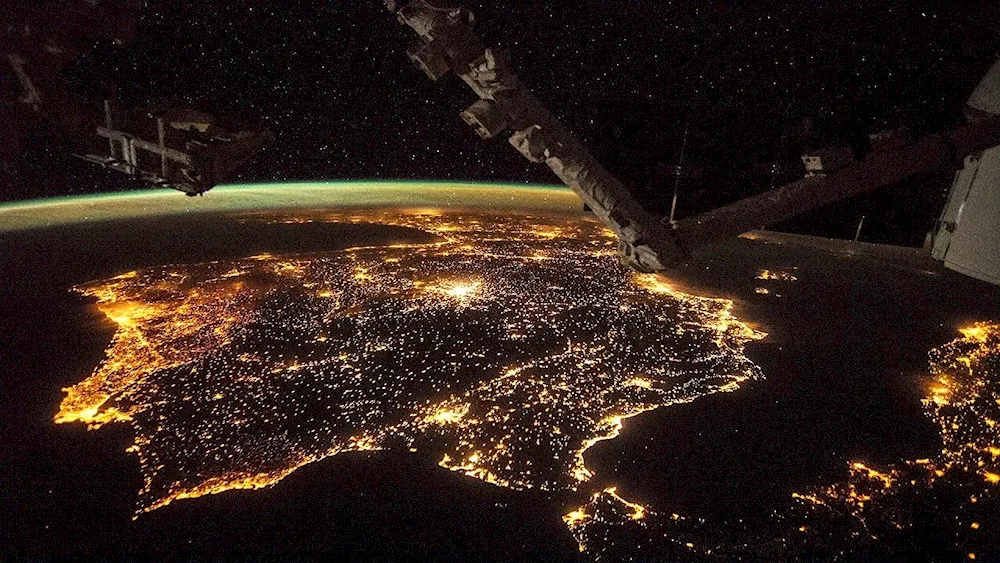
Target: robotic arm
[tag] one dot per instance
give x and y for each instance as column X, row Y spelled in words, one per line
column 447, row 42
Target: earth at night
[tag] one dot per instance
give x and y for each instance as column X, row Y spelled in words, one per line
column 446, row 372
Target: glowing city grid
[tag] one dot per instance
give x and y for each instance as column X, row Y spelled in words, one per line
column 508, row 347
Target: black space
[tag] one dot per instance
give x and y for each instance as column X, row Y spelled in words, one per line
column 757, row 82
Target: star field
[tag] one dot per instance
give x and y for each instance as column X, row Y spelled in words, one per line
column 333, row 82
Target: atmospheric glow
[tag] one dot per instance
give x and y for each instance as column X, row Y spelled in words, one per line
column 270, row 197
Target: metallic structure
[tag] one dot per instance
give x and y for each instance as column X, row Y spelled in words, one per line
column 179, row 148
column 191, row 153
column 446, row 41
column 941, row 152
column 826, row 161
column 967, row 237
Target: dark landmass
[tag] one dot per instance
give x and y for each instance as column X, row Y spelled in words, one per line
column 847, row 349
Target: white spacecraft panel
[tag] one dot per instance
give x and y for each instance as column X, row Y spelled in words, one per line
column 986, row 97
column 968, row 239
column 956, row 199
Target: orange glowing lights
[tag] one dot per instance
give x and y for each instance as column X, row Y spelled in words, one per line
column 449, row 415
column 886, row 479
column 460, row 290
column 780, row 275
column 963, row 401
column 233, row 374
column 977, row 332
column 576, row 518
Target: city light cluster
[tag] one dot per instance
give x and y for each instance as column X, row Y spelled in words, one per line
column 507, row 347
column 870, row 505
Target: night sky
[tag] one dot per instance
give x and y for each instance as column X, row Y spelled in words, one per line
column 757, row 82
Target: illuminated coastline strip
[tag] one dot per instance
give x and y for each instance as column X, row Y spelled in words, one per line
column 870, row 505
